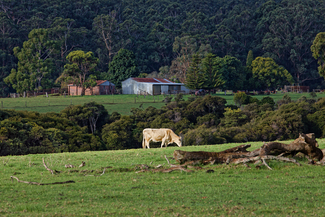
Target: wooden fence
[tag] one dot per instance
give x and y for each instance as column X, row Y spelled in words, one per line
column 39, row 93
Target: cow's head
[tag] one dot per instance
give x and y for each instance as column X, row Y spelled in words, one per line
column 180, row 140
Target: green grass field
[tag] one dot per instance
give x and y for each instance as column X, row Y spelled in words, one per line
column 119, row 103
column 287, row 190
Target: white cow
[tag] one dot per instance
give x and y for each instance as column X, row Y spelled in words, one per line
column 166, row 136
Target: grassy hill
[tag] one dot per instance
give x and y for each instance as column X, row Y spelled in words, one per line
column 118, row 103
column 287, row 190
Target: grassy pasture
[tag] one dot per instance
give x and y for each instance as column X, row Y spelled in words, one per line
column 287, row 190
column 119, row 103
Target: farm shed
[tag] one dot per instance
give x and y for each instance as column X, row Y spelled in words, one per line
column 103, row 87
column 152, row 86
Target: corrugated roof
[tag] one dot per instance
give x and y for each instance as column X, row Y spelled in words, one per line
column 152, row 80
column 147, row 80
column 162, row 80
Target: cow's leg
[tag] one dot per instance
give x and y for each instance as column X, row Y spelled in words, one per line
column 163, row 141
column 147, row 143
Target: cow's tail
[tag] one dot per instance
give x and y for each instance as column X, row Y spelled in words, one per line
column 143, row 143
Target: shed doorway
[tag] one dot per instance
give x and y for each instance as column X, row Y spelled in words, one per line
column 156, row 90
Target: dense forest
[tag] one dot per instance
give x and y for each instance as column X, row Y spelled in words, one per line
column 156, row 37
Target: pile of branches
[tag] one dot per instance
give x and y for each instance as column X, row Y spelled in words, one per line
column 305, row 144
column 53, row 172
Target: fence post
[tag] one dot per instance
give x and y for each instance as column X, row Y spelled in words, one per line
column 24, row 94
column 71, row 102
column 47, row 94
column 135, row 101
column 26, row 104
column 153, row 98
column 1, row 104
column 49, row 101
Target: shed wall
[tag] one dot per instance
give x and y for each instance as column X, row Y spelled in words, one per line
column 128, row 86
column 131, row 86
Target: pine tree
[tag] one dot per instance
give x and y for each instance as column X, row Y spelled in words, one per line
column 250, row 58
column 195, row 78
column 211, row 71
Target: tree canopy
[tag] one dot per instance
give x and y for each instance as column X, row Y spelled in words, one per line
column 80, row 66
column 318, row 49
column 163, row 35
column 122, row 67
column 34, row 62
column 268, row 74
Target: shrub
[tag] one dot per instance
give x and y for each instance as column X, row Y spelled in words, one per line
column 275, row 126
column 240, row 98
column 316, row 122
column 202, row 136
column 255, row 110
column 285, row 123
column 313, row 94
column 205, row 105
column 118, row 135
column 91, row 115
column 209, row 120
column 320, row 103
column 268, row 100
column 285, row 100
column 179, row 97
column 233, row 118
column 167, row 99
column 251, row 99
column 228, row 133
column 303, row 98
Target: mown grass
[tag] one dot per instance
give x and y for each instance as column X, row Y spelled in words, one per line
column 118, row 103
column 287, row 190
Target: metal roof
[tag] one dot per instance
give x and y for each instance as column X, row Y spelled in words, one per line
column 153, row 80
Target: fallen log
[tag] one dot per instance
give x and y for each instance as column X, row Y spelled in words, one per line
column 237, row 149
column 218, row 157
column 304, row 144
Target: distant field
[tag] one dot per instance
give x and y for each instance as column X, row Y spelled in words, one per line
column 119, row 103
column 287, row 190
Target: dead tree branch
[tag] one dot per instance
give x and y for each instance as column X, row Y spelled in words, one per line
column 51, row 171
column 100, row 174
column 36, row 183
column 263, row 160
column 172, row 165
column 103, row 172
column 167, row 159
column 69, row 166
column 179, row 167
column 82, row 164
